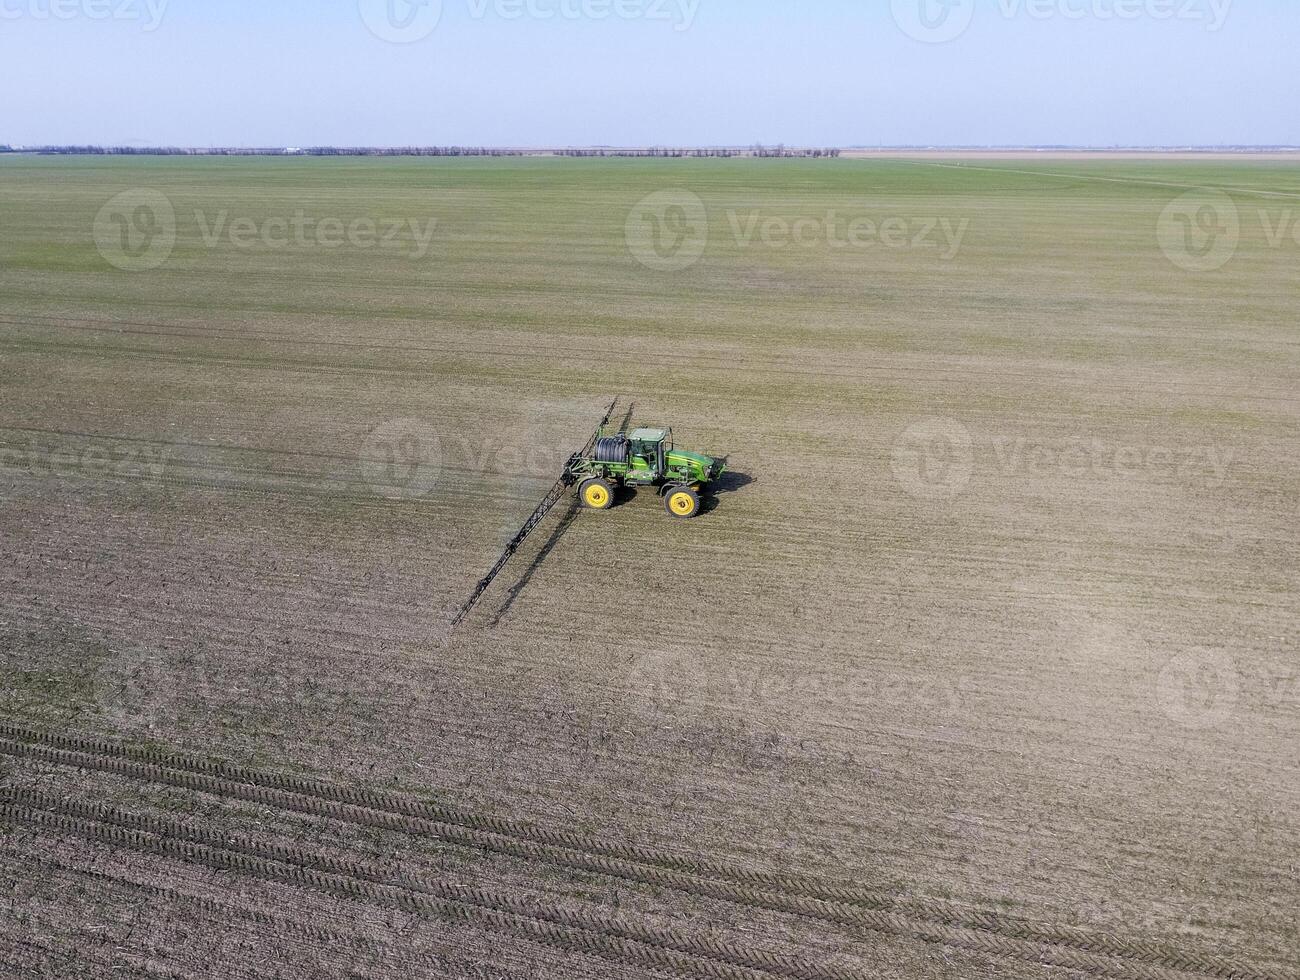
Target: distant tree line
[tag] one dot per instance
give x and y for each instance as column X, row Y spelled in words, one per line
column 650, row 151
column 407, row 151
column 724, row 152
column 278, row 151
column 781, row 151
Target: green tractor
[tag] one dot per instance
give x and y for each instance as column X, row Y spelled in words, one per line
column 644, row 458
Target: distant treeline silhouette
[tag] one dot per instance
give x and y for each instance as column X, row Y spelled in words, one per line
column 724, row 152
column 424, row 151
column 308, row 151
column 409, row 151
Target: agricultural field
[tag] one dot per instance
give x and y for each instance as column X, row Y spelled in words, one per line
column 983, row 661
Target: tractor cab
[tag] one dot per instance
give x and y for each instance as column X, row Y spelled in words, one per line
column 647, row 451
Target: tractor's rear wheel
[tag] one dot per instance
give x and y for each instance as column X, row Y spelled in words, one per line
column 597, row 494
column 682, row 503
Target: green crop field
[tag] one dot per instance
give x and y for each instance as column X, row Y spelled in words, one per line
column 981, row 661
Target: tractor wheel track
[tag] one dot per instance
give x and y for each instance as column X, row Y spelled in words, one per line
column 933, row 922
column 83, row 957
column 346, row 942
column 18, row 741
column 620, row 942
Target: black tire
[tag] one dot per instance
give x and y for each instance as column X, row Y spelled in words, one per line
column 596, row 494
column 682, row 503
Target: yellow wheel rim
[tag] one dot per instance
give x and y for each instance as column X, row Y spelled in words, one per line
column 682, row 504
column 597, row 496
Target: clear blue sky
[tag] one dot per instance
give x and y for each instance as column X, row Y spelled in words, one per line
column 820, row 72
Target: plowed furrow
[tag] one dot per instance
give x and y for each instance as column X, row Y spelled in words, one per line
column 229, row 914
column 928, row 921
column 585, row 932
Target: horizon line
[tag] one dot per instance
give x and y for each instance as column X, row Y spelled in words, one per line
column 91, row 148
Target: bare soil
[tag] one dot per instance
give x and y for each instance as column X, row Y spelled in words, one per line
column 983, row 662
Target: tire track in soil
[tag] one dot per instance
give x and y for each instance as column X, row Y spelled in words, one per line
column 81, row 955
column 621, row 942
column 928, row 921
column 227, row 912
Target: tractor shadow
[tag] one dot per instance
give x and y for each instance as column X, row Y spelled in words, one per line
column 566, row 521
column 729, row 482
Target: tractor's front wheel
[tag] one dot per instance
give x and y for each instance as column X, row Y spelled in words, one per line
column 597, row 494
column 682, row 503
